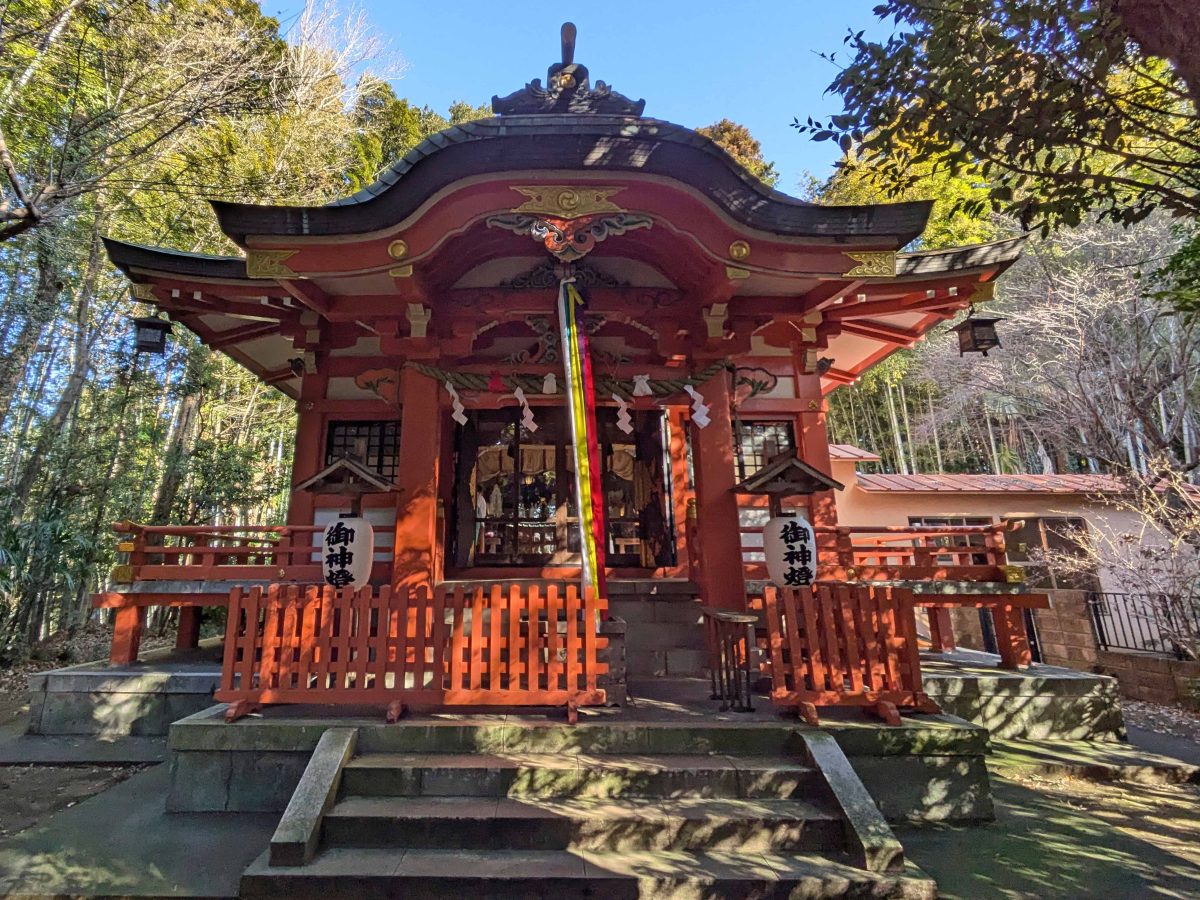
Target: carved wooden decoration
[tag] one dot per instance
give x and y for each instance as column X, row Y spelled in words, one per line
column 569, row 239
column 269, row 263
column 873, row 264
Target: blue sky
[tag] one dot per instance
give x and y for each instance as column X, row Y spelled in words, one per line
column 693, row 62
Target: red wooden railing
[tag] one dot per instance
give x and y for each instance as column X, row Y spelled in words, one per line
column 844, row 645
column 513, row 645
column 897, row 553
column 228, row 553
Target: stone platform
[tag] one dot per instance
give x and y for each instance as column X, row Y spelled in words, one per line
column 140, row 700
column 1036, row 704
column 930, row 768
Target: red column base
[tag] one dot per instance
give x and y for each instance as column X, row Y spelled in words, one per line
column 127, row 634
column 188, row 636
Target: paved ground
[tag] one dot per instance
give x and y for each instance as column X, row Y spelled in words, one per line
column 1065, row 838
column 1181, row 748
column 123, row 843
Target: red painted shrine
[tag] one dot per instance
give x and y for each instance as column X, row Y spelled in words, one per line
column 438, row 287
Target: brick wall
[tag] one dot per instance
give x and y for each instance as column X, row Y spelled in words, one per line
column 1067, row 639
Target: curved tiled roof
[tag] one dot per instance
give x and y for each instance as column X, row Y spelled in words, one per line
column 592, row 143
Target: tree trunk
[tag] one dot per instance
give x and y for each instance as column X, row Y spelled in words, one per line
column 45, row 305
column 176, row 452
column 53, row 426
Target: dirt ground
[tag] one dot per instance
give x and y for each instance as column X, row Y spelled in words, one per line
column 29, row 795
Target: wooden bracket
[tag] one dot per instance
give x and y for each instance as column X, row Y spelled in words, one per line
column 887, row 711
column 239, row 709
column 808, row 712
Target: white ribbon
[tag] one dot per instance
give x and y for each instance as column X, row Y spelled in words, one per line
column 699, row 407
column 527, row 417
column 641, row 386
column 458, row 412
column 549, row 384
column 624, row 420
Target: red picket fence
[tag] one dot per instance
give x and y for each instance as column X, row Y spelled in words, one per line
column 518, row 646
column 839, row 644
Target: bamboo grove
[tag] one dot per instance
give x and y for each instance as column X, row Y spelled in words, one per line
column 120, row 118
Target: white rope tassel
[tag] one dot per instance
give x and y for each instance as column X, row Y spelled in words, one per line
column 699, row 407
column 624, row 420
column 458, row 412
column 527, row 415
column 641, row 386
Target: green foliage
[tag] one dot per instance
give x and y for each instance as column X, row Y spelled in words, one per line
column 739, row 143
column 190, row 437
column 1049, row 102
column 961, row 199
column 388, row 126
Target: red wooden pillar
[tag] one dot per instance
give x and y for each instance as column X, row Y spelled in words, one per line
column 813, row 440
column 307, row 460
column 721, row 571
column 416, row 508
column 1011, row 637
column 188, row 636
column 681, row 493
column 127, row 634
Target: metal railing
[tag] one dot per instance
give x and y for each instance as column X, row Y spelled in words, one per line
column 1151, row 623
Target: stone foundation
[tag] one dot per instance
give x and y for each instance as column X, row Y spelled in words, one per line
column 931, row 769
column 1039, row 703
column 97, row 699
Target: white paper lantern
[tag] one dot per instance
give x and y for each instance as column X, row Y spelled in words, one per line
column 347, row 551
column 790, row 546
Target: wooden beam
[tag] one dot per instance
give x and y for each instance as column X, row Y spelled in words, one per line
column 223, row 339
column 307, row 293
column 901, row 337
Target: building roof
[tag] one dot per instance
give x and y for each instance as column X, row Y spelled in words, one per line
column 591, row 143
column 849, row 451
column 990, row 484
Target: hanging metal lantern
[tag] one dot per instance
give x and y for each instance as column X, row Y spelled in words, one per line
column 150, row 334
column 977, row 334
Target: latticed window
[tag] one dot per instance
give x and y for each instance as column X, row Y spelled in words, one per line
column 374, row 443
column 759, row 443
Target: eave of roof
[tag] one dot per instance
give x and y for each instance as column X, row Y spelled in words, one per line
column 126, row 256
column 989, row 484
column 994, row 254
column 591, row 143
column 850, row 452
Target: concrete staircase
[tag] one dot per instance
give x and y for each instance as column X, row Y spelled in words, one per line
column 510, row 816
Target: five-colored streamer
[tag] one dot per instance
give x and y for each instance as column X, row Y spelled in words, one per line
column 581, row 403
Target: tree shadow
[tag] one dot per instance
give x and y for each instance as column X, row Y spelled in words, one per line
column 1068, row 839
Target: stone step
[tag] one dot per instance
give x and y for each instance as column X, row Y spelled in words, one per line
column 736, row 737
column 672, row 662
column 682, row 612
column 542, row 775
column 664, row 636
column 375, row 874
column 598, row 825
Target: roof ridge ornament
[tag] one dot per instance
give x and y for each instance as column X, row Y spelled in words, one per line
column 567, row 90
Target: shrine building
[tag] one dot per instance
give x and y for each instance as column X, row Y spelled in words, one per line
column 560, row 380
column 438, row 285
